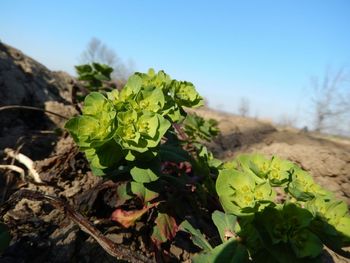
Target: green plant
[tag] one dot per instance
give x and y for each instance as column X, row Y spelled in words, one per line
column 292, row 228
column 133, row 136
column 198, row 128
column 95, row 76
column 228, row 251
column 142, row 137
column 123, row 126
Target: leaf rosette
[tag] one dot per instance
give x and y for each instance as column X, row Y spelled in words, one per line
column 94, row 130
column 334, row 213
column 197, row 128
column 255, row 164
column 303, row 188
column 240, row 194
column 96, row 125
column 139, row 132
column 289, row 224
column 186, row 95
column 280, row 172
column 275, row 170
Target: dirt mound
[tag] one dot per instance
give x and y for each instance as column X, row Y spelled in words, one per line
column 43, row 234
column 25, row 82
column 326, row 160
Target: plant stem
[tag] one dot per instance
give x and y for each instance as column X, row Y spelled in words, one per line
column 15, row 107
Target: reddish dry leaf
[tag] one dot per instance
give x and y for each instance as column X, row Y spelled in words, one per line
column 164, row 230
column 128, row 218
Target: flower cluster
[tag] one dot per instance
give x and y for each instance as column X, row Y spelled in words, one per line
column 309, row 215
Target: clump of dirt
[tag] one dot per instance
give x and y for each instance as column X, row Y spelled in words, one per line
column 41, row 233
column 25, row 82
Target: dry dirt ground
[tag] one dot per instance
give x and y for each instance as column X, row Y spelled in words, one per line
column 43, row 234
column 327, row 160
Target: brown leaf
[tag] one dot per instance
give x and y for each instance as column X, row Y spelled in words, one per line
column 128, row 218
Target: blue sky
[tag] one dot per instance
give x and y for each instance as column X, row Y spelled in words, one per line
column 265, row 51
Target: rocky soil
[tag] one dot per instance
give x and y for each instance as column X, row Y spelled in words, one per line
column 41, row 233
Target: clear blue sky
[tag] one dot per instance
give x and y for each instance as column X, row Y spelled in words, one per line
column 265, row 51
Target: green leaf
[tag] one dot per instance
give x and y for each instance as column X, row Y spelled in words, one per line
column 296, row 216
column 302, row 185
column 127, row 118
column 164, row 125
column 306, row 244
column 113, row 96
column 186, row 95
column 106, row 156
column 343, row 226
column 230, row 252
column 336, row 210
column 142, row 179
column 151, row 99
column 103, row 69
column 94, row 76
column 236, row 191
column 95, row 103
column 81, row 69
column 229, row 181
column 333, row 218
column 280, row 172
column 132, row 87
column 130, row 138
column 141, row 175
column 173, row 153
column 102, row 77
column 96, row 126
column 271, row 221
column 82, row 128
column 164, row 230
column 263, row 192
column 142, row 192
column 123, row 193
column 258, row 164
column 196, row 236
column 281, row 251
column 198, row 128
column 148, row 124
column 225, row 223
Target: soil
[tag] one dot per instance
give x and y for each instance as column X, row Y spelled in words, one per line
column 41, row 233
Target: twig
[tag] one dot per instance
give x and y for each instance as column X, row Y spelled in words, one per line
column 110, row 247
column 339, row 251
column 13, row 107
column 26, row 161
column 8, row 176
column 13, row 168
column 182, row 135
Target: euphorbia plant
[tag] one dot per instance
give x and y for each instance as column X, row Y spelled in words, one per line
column 293, row 228
column 142, row 137
column 119, row 126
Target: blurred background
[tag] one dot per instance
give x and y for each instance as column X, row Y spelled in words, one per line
column 287, row 62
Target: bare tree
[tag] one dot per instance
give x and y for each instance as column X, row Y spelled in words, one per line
column 243, row 108
column 96, row 51
column 331, row 102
